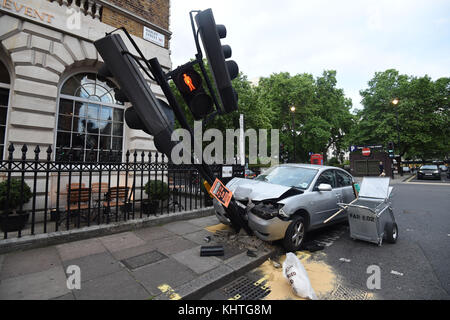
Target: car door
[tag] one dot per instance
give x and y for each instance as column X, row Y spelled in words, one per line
column 325, row 202
column 344, row 188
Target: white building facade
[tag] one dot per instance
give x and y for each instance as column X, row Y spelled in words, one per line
column 50, row 94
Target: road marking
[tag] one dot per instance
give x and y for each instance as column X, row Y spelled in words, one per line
column 345, row 260
column 397, row 273
column 265, row 278
column 411, row 178
column 166, row 289
column 430, row 184
column 236, row 297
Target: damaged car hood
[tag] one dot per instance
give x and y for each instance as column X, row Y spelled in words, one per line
column 244, row 189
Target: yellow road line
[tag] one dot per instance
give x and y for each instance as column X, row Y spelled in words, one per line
column 411, row 178
column 166, row 289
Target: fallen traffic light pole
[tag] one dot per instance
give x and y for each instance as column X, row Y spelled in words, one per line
column 123, row 66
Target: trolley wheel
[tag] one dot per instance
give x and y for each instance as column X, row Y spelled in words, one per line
column 295, row 234
column 391, row 232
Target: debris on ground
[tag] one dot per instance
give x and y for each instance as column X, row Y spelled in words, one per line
column 212, row 251
column 312, row 247
column 251, row 253
column 322, row 277
column 296, row 275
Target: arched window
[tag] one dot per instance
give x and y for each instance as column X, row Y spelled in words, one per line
column 5, row 83
column 90, row 119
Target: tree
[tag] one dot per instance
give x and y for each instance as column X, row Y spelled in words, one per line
column 423, row 116
column 322, row 115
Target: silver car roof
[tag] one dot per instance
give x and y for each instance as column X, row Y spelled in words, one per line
column 309, row 166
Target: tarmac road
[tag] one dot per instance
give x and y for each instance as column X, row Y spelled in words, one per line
column 416, row 267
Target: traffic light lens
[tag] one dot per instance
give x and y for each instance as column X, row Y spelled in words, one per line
column 188, row 81
column 233, row 69
column 226, row 51
column 222, row 31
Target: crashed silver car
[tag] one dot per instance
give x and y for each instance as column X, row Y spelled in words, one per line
column 288, row 200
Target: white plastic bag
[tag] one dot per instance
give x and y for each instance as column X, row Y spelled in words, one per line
column 295, row 273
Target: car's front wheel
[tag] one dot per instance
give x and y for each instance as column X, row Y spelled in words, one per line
column 295, row 234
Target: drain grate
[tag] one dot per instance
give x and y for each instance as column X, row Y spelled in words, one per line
column 349, row 293
column 245, row 289
column 143, row 259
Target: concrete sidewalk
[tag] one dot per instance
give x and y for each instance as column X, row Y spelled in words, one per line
column 160, row 262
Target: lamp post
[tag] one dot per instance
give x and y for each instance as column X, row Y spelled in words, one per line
column 293, row 128
column 395, row 104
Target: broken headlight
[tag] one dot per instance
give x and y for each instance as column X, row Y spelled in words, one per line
column 282, row 213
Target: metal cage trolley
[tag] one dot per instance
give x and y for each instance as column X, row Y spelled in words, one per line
column 370, row 216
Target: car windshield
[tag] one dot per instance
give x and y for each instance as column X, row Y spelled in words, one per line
column 429, row 167
column 289, row 176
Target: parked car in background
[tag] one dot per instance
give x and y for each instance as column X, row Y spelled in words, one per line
column 287, row 200
column 429, row 171
column 406, row 169
column 443, row 168
column 249, row 174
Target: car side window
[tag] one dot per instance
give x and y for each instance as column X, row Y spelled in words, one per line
column 328, row 178
column 343, row 180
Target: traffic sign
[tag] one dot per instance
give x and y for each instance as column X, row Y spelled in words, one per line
column 366, row 152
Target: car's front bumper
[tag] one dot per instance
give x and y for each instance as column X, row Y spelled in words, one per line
column 427, row 176
column 267, row 230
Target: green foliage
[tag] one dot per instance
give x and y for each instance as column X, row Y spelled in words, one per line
column 15, row 194
column 322, row 116
column 423, row 115
column 156, row 190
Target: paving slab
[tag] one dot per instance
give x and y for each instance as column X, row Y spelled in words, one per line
column 135, row 262
column 43, row 285
column 182, row 227
column 121, row 241
column 191, row 258
column 173, row 245
column 136, row 251
column 68, row 296
column 165, row 272
column 154, row 233
column 95, row 266
column 78, row 249
column 200, row 285
column 2, row 258
column 116, row 286
column 199, row 237
column 205, row 221
column 31, row 261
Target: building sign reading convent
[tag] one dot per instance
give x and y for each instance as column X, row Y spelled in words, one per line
column 26, row 11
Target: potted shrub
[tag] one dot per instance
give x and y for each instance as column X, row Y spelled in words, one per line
column 157, row 192
column 10, row 219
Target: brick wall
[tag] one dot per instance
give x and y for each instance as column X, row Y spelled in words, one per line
column 118, row 20
column 154, row 11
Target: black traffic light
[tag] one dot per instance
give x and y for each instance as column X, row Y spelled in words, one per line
column 391, row 149
column 121, row 65
column 223, row 71
column 189, row 83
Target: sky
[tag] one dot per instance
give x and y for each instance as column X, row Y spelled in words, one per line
column 355, row 38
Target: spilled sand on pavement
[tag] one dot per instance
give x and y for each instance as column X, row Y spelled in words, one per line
column 322, row 278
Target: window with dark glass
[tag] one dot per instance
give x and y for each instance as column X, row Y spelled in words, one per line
column 5, row 83
column 343, row 179
column 90, row 119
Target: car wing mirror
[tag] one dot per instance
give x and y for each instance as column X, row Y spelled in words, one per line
column 324, row 187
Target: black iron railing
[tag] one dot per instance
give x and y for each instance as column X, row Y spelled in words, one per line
column 42, row 195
